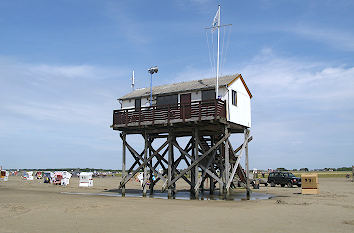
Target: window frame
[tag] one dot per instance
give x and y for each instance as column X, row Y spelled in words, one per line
column 234, row 97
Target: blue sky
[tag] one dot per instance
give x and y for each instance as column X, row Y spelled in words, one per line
column 64, row 63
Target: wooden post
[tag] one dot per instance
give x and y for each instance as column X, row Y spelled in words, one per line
column 211, row 185
column 126, row 117
column 353, row 173
column 247, row 166
column 221, row 171
column 124, row 136
column 170, row 148
column 145, row 166
column 227, row 164
column 200, row 110
column 192, row 172
column 151, row 186
column 196, row 151
column 211, row 180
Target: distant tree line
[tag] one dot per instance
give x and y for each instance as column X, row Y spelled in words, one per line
column 305, row 169
column 71, row 169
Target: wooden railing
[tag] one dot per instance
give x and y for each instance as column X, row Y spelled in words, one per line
column 197, row 110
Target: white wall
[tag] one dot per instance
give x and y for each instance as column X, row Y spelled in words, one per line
column 145, row 102
column 240, row 114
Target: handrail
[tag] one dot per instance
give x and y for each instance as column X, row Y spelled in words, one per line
column 196, row 109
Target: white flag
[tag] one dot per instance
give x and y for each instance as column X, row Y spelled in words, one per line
column 216, row 20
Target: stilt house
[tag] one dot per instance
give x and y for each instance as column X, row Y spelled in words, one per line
column 187, row 101
column 190, row 110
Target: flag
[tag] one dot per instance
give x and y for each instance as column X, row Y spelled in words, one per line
column 216, row 20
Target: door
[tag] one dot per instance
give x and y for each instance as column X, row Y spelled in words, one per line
column 186, row 106
column 137, row 104
column 278, row 178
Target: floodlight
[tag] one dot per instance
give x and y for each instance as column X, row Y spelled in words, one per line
column 154, row 69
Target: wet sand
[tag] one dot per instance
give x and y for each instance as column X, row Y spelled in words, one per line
column 31, row 206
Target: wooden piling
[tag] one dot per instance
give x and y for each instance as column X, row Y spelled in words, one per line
column 145, row 163
column 124, row 136
column 248, row 190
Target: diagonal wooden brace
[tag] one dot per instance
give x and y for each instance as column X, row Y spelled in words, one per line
column 200, row 165
column 236, row 164
column 196, row 162
column 148, row 164
column 123, row 182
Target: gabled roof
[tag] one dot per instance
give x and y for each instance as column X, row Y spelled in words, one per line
column 244, row 84
column 202, row 84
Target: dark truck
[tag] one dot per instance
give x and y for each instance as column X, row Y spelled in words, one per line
column 283, row 178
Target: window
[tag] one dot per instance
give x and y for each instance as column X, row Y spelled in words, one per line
column 208, row 95
column 167, row 99
column 234, row 97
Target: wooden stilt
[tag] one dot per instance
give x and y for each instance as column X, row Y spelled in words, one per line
column 145, row 165
column 208, row 154
column 124, row 136
column 151, row 175
column 247, row 166
column 169, row 175
column 227, row 164
column 221, row 173
column 211, row 180
column 192, row 172
column 211, row 185
column 196, row 168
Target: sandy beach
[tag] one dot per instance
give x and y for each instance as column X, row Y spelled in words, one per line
column 31, row 206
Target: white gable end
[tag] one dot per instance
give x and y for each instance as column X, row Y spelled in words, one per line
column 240, row 111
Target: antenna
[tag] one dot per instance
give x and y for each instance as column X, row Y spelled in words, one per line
column 133, row 81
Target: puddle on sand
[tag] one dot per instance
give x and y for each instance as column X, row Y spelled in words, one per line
column 184, row 195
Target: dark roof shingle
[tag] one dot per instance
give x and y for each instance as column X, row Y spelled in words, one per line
column 208, row 83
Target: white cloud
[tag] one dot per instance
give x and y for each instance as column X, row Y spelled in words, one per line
column 272, row 76
column 335, row 38
column 63, row 71
column 78, row 94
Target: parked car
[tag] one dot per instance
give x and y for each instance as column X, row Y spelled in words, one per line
column 283, row 178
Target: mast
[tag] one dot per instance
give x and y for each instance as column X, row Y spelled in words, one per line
column 133, row 81
column 218, row 57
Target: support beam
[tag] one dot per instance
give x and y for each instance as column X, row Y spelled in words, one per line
column 192, row 158
column 124, row 137
column 239, row 148
column 200, row 165
column 243, row 146
column 227, row 163
column 151, row 175
column 169, row 175
column 206, row 171
column 201, row 158
column 247, row 166
column 211, row 180
column 145, row 163
column 155, row 153
column 196, row 168
column 124, row 181
column 208, row 152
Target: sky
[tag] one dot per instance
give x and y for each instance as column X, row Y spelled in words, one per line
column 64, row 63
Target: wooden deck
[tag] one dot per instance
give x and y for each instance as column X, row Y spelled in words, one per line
column 196, row 111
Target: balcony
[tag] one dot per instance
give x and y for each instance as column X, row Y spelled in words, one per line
column 169, row 114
